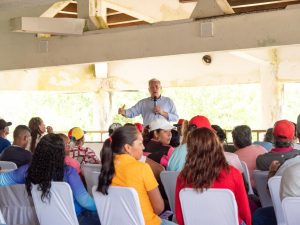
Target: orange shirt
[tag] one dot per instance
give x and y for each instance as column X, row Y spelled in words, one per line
column 131, row 173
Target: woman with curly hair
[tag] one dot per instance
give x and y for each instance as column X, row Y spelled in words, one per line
column 120, row 167
column 48, row 165
column 206, row 167
column 37, row 128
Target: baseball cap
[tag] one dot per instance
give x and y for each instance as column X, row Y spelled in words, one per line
column 284, row 130
column 76, row 133
column 179, row 123
column 200, row 122
column 160, row 124
column 139, row 126
column 4, row 124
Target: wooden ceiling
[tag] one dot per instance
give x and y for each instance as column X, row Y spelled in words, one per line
column 244, row 6
column 118, row 19
column 114, row 18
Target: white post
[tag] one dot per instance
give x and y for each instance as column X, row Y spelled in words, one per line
column 271, row 92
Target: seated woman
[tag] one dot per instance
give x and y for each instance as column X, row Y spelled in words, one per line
column 158, row 148
column 206, row 167
column 48, row 165
column 120, row 167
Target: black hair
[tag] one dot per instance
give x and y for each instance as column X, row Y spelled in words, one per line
column 114, row 145
column 20, row 130
column 269, row 135
column 242, row 136
column 175, row 140
column 47, row 165
column 282, row 143
column 220, row 133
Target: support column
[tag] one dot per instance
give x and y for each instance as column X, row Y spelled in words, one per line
column 102, row 110
column 271, row 92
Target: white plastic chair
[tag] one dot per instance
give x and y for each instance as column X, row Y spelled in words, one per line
column 247, row 177
column 291, row 206
column 168, row 179
column 274, row 187
column 120, row 206
column 7, row 166
column 2, row 220
column 87, row 170
column 261, row 182
column 213, row 206
column 16, row 206
column 60, row 209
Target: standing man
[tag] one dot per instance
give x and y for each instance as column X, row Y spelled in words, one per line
column 4, row 131
column 154, row 107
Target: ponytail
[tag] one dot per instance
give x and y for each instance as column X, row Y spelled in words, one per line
column 114, row 145
column 107, row 169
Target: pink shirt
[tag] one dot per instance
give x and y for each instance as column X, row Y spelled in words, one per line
column 249, row 155
column 72, row 163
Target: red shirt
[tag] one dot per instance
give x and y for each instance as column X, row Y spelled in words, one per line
column 233, row 181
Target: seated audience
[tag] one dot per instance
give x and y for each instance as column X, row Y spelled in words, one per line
column 231, row 158
column 246, row 151
column 38, row 129
column 267, row 143
column 17, row 152
column 158, row 148
column 177, row 159
column 69, row 161
column 283, row 133
column 4, row 131
column 113, row 127
column 206, row 167
column 48, row 165
column 290, row 182
column 120, row 167
column 175, row 140
column 77, row 150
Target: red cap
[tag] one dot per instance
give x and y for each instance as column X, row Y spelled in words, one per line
column 139, row 126
column 284, row 130
column 200, row 122
column 180, row 121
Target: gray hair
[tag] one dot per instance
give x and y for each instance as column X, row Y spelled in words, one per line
column 154, row 80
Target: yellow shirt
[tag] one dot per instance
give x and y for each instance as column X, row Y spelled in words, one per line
column 131, row 173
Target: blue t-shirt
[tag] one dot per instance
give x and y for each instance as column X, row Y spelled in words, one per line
column 177, row 159
column 4, row 143
column 82, row 199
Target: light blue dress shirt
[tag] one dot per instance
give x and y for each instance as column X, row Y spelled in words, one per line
column 145, row 108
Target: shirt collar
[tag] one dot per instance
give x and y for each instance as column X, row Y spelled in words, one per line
column 159, row 98
column 282, row 150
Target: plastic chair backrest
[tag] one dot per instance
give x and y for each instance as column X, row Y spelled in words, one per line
column 261, row 182
column 274, row 187
column 168, row 179
column 212, row 206
column 60, row 209
column 124, row 201
column 291, row 206
column 16, row 206
column 247, row 177
column 2, row 221
column 7, row 165
column 87, row 170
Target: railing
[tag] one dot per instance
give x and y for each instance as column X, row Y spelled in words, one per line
column 101, row 136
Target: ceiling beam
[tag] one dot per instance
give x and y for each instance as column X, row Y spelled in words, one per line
column 56, row 26
column 249, row 3
column 178, row 37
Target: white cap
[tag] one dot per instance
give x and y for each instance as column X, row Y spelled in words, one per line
column 160, row 124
